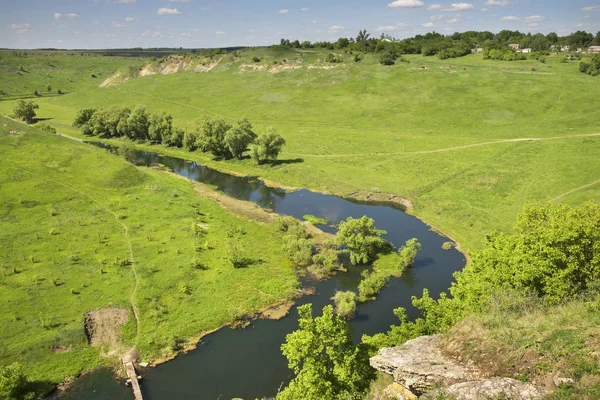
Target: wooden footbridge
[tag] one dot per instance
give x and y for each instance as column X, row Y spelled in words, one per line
column 133, row 379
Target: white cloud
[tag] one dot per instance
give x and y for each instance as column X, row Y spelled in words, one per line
column 219, row 33
column 535, row 18
column 460, row 7
column 509, row 18
column 23, row 31
column 195, row 30
column 117, row 25
column 500, row 3
column 65, row 16
column 484, row 9
column 390, row 28
column 454, row 20
column 305, row 9
column 129, row 19
column 593, row 8
column 186, row 34
column 20, row 26
column 180, row 1
column 336, row 28
column 167, row 11
column 453, row 7
column 406, row 3
column 533, row 25
column 125, row 1
column 429, row 25
column 284, row 11
column 152, row 34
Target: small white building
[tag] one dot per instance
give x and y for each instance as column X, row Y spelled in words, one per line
column 594, row 49
column 527, row 50
column 515, row 46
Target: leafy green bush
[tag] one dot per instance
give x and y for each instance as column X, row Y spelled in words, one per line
column 371, row 284
column 315, row 220
column 345, row 304
column 591, row 65
column 361, row 238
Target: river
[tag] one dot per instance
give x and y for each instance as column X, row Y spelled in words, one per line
column 248, row 363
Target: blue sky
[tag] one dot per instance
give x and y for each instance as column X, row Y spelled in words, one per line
column 216, row 23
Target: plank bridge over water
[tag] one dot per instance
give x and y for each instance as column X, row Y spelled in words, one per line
column 133, row 379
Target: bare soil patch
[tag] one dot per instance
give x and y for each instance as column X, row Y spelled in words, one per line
column 103, row 326
column 381, row 197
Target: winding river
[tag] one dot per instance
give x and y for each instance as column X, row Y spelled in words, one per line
column 248, row 363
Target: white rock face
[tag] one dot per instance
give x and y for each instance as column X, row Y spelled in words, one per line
column 493, row 388
column 419, row 365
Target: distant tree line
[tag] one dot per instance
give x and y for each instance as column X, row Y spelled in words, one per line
column 212, row 135
column 449, row 46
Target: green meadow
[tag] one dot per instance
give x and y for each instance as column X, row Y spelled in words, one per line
column 441, row 133
column 82, row 229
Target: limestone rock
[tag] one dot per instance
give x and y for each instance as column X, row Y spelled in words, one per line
column 419, row 364
column 493, row 388
column 395, row 391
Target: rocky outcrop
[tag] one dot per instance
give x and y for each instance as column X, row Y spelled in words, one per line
column 484, row 389
column 419, row 366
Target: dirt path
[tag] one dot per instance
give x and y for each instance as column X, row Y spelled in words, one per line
column 444, row 149
column 574, row 190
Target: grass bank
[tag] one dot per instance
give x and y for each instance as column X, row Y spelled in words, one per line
column 443, row 133
column 82, row 229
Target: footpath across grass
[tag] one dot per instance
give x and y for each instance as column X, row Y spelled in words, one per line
column 82, row 229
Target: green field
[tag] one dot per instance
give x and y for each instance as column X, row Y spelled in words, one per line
column 82, row 229
column 437, row 132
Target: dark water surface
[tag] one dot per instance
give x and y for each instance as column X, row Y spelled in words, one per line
column 248, row 363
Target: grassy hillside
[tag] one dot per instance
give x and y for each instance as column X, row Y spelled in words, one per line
column 82, row 229
column 22, row 72
column 435, row 131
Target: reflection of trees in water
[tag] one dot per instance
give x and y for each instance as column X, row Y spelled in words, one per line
column 409, row 278
column 242, row 188
column 269, row 197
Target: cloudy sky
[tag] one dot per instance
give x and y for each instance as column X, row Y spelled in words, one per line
column 216, row 23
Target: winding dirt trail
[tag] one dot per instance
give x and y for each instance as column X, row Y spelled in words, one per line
column 574, row 190
column 444, row 149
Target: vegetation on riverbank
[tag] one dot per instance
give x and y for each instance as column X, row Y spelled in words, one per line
column 461, row 163
column 83, row 229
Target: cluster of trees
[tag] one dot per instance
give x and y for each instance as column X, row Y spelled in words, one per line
column 503, row 54
column 591, row 65
column 553, row 256
column 304, row 252
column 447, row 46
column 212, row 135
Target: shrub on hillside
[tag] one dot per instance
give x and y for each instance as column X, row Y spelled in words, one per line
column 25, row 110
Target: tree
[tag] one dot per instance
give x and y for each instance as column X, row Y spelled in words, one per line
column 160, row 127
column 328, row 365
column 13, row 382
column 59, row 91
column 388, row 58
column 83, row 116
column 239, row 138
column 138, row 124
column 267, row 146
column 36, row 93
column 211, row 138
column 361, row 239
column 49, row 88
column 25, row 110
